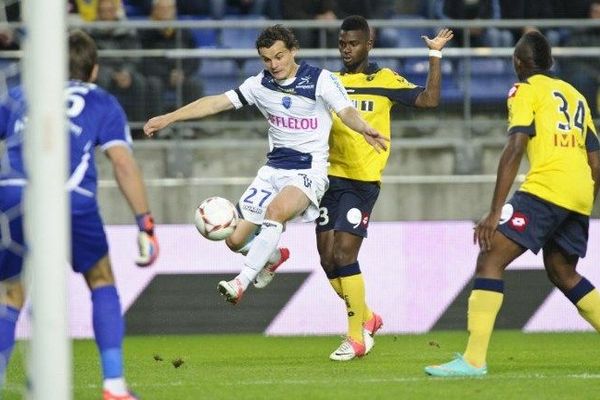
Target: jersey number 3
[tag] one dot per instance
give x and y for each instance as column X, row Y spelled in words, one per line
column 578, row 119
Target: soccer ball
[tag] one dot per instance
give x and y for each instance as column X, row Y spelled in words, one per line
column 216, row 218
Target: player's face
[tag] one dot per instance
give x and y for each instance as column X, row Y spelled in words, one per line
column 279, row 60
column 354, row 49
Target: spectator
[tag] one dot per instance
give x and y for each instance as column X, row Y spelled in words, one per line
column 88, row 9
column 9, row 38
column 527, row 9
column 259, row 8
column 584, row 73
column 122, row 76
column 312, row 9
column 213, row 8
column 370, row 9
column 176, row 76
column 475, row 9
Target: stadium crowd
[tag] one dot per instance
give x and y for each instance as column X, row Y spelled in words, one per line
column 149, row 88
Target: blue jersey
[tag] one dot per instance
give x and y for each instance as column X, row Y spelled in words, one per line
column 95, row 118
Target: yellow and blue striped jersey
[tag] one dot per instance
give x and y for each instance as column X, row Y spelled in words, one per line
column 557, row 119
column 373, row 93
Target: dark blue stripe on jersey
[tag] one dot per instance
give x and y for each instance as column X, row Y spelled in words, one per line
column 406, row 96
column 492, row 285
column 591, row 141
column 528, row 130
column 371, row 69
column 285, row 158
column 349, row 270
column 304, row 85
column 579, row 291
column 241, row 97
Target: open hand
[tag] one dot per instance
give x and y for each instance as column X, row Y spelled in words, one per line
column 376, row 140
column 485, row 229
column 438, row 42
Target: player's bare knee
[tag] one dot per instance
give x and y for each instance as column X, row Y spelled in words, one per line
column 100, row 274
column 276, row 214
column 327, row 264
column 12, row 294
column 342, row 259
column 563, row 278
column 234, row 243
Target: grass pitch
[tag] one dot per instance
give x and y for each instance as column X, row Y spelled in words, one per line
column 521, row 366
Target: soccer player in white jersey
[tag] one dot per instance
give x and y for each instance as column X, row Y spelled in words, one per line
column 296, row 99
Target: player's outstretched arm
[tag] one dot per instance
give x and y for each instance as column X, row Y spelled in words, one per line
column 203, row 107
column 352, row 119
column 131, row 184
column 430, row 97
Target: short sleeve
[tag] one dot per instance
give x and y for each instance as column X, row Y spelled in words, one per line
column 521, row 116
column 591, row 138
column 331, row 90
column 401, row 90
column 114, row 130
column 244, row 94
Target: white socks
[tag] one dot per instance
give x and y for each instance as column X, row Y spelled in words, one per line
column 116, row 386
column 263, row 250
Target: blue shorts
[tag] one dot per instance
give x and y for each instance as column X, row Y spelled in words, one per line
column 535, row 223
column 89, row 243
column 12, row 244
column 347, row 206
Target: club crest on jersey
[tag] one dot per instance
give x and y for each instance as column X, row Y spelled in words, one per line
column 287, row 102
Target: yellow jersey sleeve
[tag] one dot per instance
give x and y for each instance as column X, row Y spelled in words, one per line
column 521, row 113
column 373, row 94
column 591, row 138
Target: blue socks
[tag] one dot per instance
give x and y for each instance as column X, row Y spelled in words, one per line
column 109, row 329
column 8, row 321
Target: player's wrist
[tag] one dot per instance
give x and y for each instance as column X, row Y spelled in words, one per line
column 145, row 222
column 435, row 53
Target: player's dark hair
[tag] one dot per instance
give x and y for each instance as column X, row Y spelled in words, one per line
column 534, row 51
column 356, row 23
column 274, row 33
column 83, row 55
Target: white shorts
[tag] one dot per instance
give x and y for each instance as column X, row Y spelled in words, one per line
column 270, row 181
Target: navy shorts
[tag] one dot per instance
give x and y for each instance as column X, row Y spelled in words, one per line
column 347, row 206
column 89, row 243
column 535, row 223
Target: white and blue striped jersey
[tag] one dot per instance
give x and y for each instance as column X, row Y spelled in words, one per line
column 95, row 118
column 298, row 112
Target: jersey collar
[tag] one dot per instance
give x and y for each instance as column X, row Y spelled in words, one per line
column 370, row 70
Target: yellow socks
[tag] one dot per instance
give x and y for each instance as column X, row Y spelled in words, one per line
column 353, row 289
column 484, row 303
column 336, row 284
column 587, row 300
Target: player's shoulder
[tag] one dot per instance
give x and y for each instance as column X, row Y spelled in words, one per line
column 96, row 95
column 520, row 89
column 392, row 79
